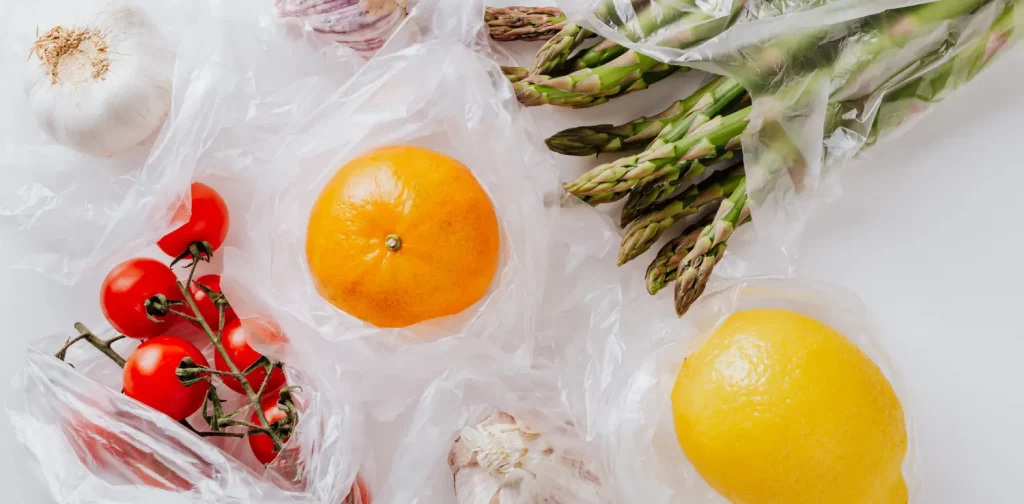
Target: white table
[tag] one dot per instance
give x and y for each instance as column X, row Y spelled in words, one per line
column 927, row 233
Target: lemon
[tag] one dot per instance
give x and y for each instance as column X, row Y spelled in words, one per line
column 778, row 408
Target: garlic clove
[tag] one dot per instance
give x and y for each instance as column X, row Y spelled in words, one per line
column 504, row 461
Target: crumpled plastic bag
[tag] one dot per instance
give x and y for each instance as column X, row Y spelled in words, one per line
column 435, row 86
column 272, row 120
column 93, row 444
column 414, row 446
column 88, row 442
column 892, row 59
column 73, row 212
column 437, row 94
column 560, row 332
column 618, row 368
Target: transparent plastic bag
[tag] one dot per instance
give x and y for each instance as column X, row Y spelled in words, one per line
column 435, row 94
column 91, row 443
column 270, row 128
column 618, row 351
column 828, row 77
column 420, row 384
column 74, row 212
column 414, row 446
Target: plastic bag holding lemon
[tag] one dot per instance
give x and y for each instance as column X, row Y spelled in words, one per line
column 778, row 407
column 769, row 391
column 401, row 231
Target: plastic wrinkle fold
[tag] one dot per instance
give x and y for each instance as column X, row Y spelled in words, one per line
column 562, row 339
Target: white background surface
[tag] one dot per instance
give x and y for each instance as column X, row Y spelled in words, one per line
column 927, row 232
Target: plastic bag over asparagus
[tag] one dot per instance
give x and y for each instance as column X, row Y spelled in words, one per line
column 686, row 177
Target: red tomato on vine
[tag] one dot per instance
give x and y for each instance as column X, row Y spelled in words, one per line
column 126, row 290
column 208, row 223
column 360, row 493
column 150, row 376
column 261, row 444
column 117, row 458
column 207, row 309
column 236, row 344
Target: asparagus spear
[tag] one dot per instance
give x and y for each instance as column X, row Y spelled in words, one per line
column 596, row 55
column 710, row 100
column 911, row 23
column 852, row 70
column 523, row 23
column 554, row 53
column 645, row 230
column 591, row 57
column 696, row 26
column 606, row 79
column 695, row 269
column 660, row 162
column 657, row 15
column 608, row 11
column 665, row 266
column 912, row 97
column 533, row 94
column 515, row 74
column 682, row 176
column 587, row 140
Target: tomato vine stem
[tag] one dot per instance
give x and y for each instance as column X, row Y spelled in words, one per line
column 102, row 345
column 215, row 338
column 200, row 252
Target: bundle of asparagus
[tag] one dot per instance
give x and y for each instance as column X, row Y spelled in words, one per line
column 566, row 71
column 674, row 23
column 668, row 180
column 673, row 177
column 523, row 23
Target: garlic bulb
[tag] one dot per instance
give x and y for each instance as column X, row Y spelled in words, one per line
column 363, row 25
column 503, row 461
column 104, row 88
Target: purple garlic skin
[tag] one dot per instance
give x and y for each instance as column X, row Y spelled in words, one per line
column 504, row 461
column 363, row 25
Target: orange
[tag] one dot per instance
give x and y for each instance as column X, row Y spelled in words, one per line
column 400, row 235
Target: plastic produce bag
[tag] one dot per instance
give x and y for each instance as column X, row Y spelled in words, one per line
column 264, row 123
column 437, row 94
column 417, row 461
column 619, row 367
column 434, row 86
column 89, row 442
column 73, row 211
column 94, row 444
column 828, row 77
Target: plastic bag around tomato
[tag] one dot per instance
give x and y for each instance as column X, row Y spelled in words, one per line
column 441, row 92
column 74, row 212
column 93, row 444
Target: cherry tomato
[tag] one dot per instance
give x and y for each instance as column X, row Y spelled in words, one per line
column 359, row 494
column 150, row 376
column 261, row 444
column 126, row 289
column 209, row 222
column 117, row 458
column 206, row 307
column 236, row 343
